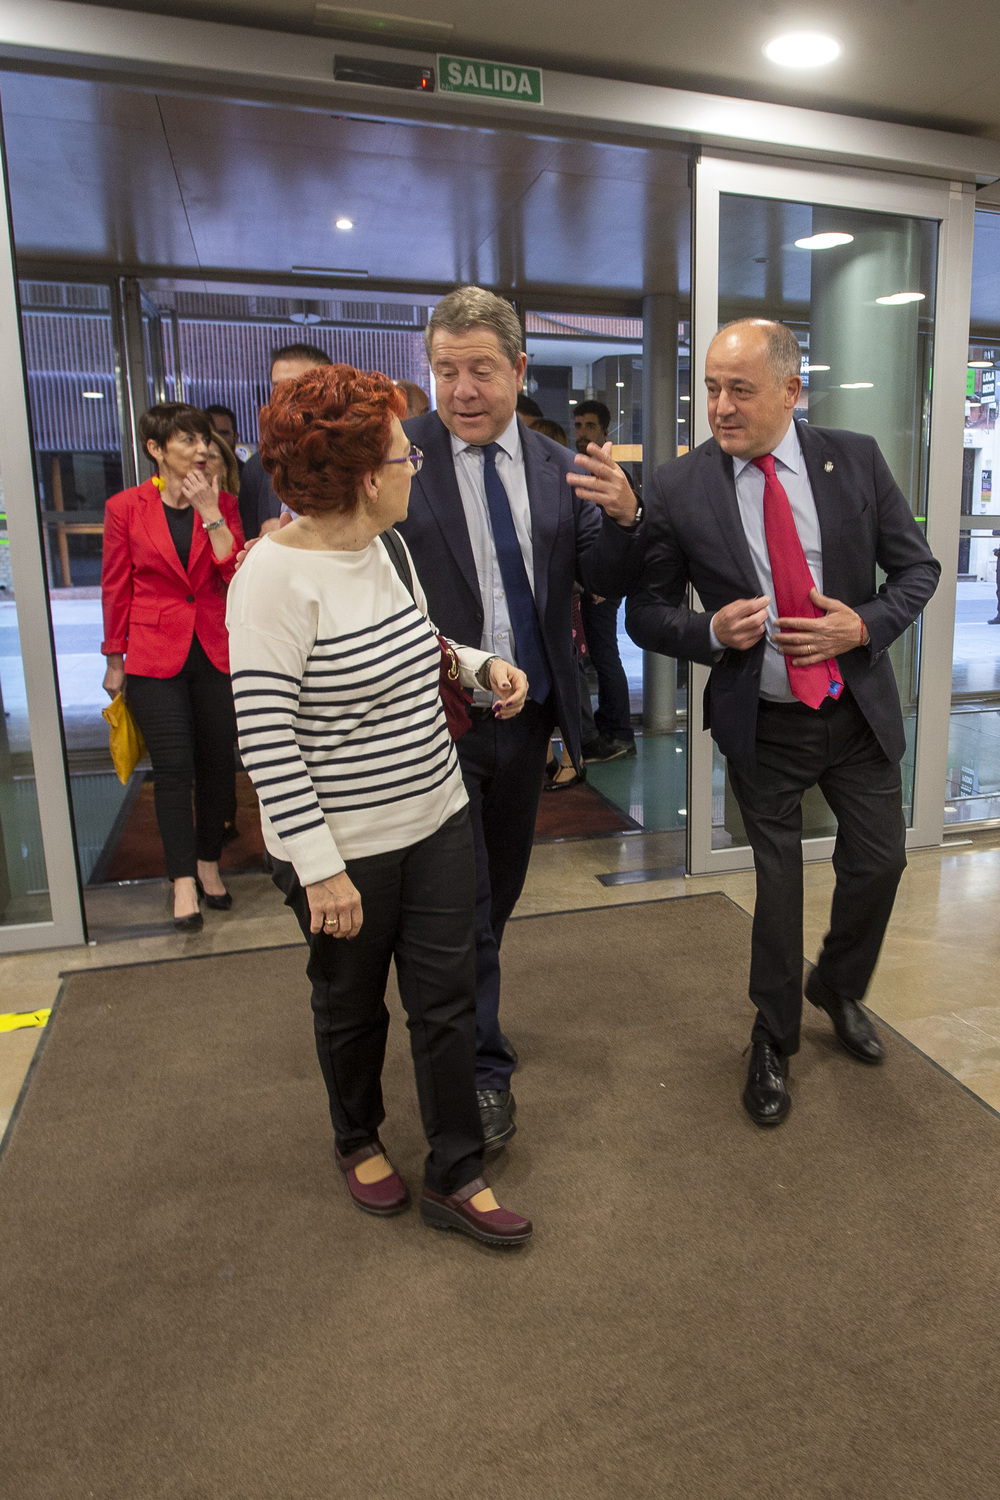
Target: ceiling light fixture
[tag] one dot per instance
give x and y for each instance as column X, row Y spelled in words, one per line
column 898, row 298
column 825, row 241
column 808, row 369
column 802, row 49
column 980, row 364
column 574, row 403
column 345, row 223
column 857, row 385
column 685, row 398
column 620, row 384
column 93, row 395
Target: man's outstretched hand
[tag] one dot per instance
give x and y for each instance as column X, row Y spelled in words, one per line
column 601, row 480
column 838, row 629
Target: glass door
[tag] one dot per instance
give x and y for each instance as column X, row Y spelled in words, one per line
column 868, row 272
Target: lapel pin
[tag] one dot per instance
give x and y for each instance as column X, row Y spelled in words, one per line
column 828, row 466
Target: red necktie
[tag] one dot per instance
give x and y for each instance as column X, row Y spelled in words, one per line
column 792, row 582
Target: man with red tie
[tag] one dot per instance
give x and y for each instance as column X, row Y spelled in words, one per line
column 780, row 527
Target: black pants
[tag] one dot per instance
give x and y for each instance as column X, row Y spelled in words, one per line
column 417, row 907
column 503, row 766
column 600, row 626
column 189, row 725
column 832, row 748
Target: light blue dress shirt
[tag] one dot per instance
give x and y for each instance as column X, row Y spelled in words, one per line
column 498, row 635
column 790, row 469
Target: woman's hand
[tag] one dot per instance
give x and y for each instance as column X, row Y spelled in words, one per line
column 202, row 493
column 335, row 907
column 511, row 687
column 114, row 677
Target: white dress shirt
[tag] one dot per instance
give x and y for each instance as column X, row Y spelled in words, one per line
column 498, row 634
column 790, row 470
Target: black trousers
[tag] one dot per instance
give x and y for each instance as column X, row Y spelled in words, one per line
column 600, row 626
column 417, row 908
column 832, row 748
column 503, row 766
column 189, row 725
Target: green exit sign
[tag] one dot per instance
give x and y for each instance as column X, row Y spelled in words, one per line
column 489, row 80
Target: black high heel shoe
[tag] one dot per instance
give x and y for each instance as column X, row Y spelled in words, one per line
column 194, row 922
column 215, row 903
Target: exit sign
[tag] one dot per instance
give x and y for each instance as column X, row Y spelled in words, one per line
column 489, row 80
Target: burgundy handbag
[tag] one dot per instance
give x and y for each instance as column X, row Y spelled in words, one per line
column 454, row 700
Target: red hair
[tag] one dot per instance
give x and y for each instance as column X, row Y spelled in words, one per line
column 323, row 432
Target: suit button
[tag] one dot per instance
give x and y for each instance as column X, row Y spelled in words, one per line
column 190, row 599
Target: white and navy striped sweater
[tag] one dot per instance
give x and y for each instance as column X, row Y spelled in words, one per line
column 336, row 682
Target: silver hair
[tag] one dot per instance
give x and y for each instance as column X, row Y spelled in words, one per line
column 782, row 353
column 473, row 307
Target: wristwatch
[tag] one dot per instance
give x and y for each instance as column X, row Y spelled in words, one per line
column 483, row 674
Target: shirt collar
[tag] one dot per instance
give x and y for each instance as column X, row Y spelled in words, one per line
column 509, row 440
column 788, row 452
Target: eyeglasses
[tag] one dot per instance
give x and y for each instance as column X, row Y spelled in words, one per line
column 414, row 457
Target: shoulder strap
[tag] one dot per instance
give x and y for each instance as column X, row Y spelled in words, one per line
column 398, row 558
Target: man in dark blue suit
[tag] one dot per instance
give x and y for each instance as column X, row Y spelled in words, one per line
column 499, row 531
column 798, row 697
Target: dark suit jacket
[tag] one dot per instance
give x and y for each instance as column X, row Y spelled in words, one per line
column 694, row 534
column 258, row 502
column 568, row 535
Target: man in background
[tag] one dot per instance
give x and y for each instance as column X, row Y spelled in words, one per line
column 529, row 411
column 223, row 420
column 612, row 720
column 417, row 400
column 260, row 507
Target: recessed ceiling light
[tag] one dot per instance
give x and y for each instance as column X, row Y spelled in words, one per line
column 898, row 298
column 620, row 384
column 980, row 364
column 802, row 49
column 808, row 369
column 685, row 398
column 857, row 385
column 682, row 419
column 824, row 241
column 93, row 395
column 574, row 403
column 345, row 223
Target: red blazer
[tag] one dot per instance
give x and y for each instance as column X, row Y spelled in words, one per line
column 152, row 607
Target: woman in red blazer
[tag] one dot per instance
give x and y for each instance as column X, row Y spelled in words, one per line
column 170, row 549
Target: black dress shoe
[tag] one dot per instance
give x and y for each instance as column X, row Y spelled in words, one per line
column 509, row 1050
column 855, row 1032
column 496, row 1110
column 194, row 923
column 765, row 1097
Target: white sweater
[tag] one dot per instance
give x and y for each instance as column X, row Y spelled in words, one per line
column 336, row 681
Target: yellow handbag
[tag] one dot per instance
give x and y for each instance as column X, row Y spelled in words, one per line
column 125, row 740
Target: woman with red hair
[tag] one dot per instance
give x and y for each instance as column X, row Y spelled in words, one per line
column 336, row 678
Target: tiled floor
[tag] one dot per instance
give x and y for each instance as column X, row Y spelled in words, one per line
column 936, row 982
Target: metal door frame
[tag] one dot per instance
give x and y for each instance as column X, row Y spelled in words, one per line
column 952, row 205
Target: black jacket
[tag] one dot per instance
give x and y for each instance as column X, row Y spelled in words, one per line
column 694, row 534
column 568, row 534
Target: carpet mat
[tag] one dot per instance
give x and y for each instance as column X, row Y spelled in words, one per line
column 190, row 1306
column 579, row 812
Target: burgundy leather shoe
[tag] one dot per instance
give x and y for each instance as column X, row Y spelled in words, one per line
column 496, row 1226
column 383, row 1198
